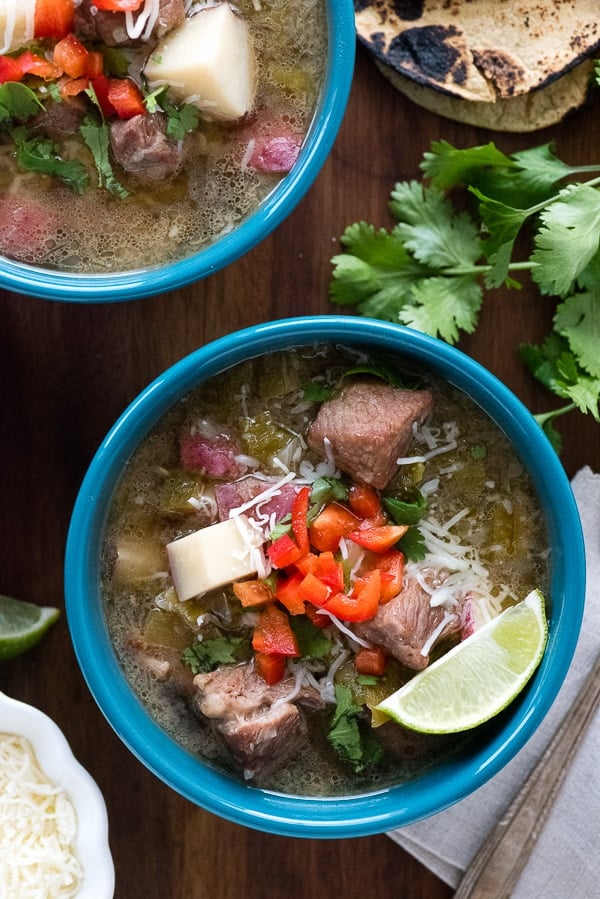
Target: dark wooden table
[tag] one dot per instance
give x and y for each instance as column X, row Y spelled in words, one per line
column 67, row 371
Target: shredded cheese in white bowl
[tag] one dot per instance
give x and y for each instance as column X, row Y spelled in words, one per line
column 53, row 821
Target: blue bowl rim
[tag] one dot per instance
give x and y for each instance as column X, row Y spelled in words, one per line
column 359, row 815
column 130, row 285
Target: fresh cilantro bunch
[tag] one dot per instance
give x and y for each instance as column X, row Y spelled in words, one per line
column 430, row 271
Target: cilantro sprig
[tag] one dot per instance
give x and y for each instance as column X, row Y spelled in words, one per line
column 430, row 271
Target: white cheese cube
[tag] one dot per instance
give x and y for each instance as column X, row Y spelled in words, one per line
column 16, row 24
column 214, row 556
column 209, row 61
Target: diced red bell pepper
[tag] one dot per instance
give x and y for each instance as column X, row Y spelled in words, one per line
column 53, row 18
column 100, row 87
column 95, row 64
column 378, row 539
column 118, row 5
column 73, row 86
column 370, row 661
column 273, row 633
column 283, row 551
column 270, row 666
column 10, row 69
column 325, row 567
column 391, row 566
column 71, row 56
column 314, row 615
column 253, row 593
column 330, row 525
column 314, row 590
column 32, row 64
column 299, row 516
column 125, row 97
column 362, row 603
column 286, row 591
column 364, row 501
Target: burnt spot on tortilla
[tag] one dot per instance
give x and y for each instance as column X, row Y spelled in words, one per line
column 408, row 10
column 501, row 70
column 430, row 52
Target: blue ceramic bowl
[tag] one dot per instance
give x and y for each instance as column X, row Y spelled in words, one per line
column 276, row 207
column 357, row 815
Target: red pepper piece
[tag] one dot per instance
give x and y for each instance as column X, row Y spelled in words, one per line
column 362, row 603
column 391, row 566
column 118, row 5
column 32, row 64
column 253, row 593
column 283, row 551
column 330, row 525
column 370, row 661
column 314, row 590
column 270, row 666
column 288, row 595
column 316, row 617
column 273, row 633
column 10, row 69
column 71, row 56
column 125, row 98
column 53, row 18
column 378, row 539
column 364, row 501
column 100, row 86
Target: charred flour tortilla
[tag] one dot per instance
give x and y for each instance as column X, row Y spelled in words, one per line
column 502, row 64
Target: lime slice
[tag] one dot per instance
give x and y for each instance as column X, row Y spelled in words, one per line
column 22, row 624
column 478, row 678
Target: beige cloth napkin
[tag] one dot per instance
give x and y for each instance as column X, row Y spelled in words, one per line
column 566, row 858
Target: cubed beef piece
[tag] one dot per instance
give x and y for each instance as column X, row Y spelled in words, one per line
column 404, row 626
column 61, row 119
column 214, row 455
column 140, row 146
column 109, row 28
column 258, row 731
column 369, row 426
column 234, row 494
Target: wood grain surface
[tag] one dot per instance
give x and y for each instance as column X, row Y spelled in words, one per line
column 67, row 371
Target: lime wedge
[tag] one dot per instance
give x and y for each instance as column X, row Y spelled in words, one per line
column 478, row 678
column 22, row 624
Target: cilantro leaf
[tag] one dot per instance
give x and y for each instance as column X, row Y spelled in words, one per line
column 557, row 368
column 17, row 101
column 578, row 320
column 446, row 166
column 408, row 509
column 567, row 239
column 206, row 655
column 502, row 224
column 355, row 746
column 38, row 154
column 441, row 306
column 324, row 490
column 413, row 545
column 430, row 230
column 376, row 264
column 313, row 642
column 96, row 137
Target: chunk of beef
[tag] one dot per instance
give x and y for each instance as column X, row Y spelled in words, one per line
column 92, row 24
column 235, row 493
column 405, row 625
column 259, row 727
column 61, row 119
column 369, row 426
column 140, row 145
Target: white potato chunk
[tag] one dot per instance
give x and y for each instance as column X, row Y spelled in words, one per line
column 214, row 556
column 209, row 61
column 16, row 24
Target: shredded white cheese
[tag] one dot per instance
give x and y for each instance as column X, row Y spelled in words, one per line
column 144, row 21
column 37, row 829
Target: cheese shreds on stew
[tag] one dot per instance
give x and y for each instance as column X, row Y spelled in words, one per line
column 37, row 828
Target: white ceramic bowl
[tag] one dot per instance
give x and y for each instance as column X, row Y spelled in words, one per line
column 62, row 768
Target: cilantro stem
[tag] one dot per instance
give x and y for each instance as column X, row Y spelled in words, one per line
column 481, row 269
column 543, row 417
